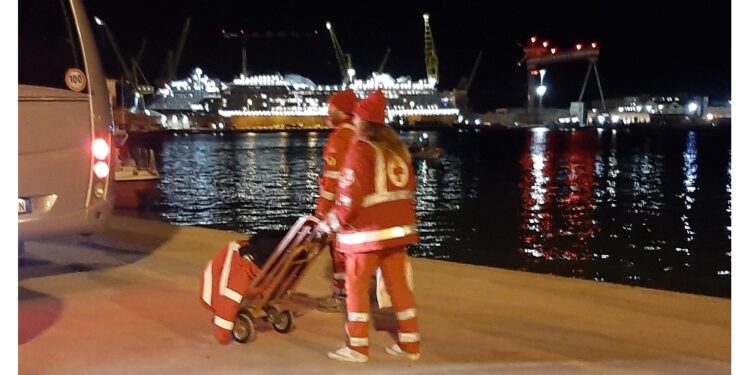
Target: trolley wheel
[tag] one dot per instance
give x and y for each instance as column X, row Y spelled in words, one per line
column 244, row 329
column 283, row 322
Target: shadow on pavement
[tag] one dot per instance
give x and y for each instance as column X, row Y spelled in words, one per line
column 36, row 314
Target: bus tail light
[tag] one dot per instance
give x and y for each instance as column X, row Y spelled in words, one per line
column 101, row 169
column 100, row 149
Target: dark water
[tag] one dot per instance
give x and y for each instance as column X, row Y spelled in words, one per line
column 647, row 207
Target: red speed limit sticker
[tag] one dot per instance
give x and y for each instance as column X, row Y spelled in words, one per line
column 75, row 79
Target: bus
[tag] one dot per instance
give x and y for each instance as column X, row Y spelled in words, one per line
column 64, row 123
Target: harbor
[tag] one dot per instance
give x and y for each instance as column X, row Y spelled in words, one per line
column 133, row 306
column 642, row 206
column 540, row 188
column 199, row 103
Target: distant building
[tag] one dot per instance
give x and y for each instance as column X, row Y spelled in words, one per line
column 644, row 108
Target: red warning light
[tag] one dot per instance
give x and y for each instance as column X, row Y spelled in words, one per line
column 533, row 39
column 534, row 72
column 545, row 44
column 593, row 45
column 553, row 50
column 579, row 46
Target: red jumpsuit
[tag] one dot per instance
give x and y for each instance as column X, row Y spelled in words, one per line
column 223, row 284
column 374, row 217
column 334, row 153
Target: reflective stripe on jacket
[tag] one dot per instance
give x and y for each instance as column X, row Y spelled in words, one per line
column 374, row 208
column 223, row 284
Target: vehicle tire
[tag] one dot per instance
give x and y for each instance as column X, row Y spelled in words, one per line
column 244, row 328
column 284, row 322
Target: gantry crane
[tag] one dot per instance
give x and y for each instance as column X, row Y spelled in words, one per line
column 430, row 54
column 344, row 60
column 543, row 54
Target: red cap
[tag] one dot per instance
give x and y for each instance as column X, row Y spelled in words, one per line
column 372, row 108
column 343, row 100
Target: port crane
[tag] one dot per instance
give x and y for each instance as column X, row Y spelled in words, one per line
column 464, row 84
column 172, row 60
column 385, row 60
column 242, row 36
column 430, row 54
column 344, row 60
column 133, row 74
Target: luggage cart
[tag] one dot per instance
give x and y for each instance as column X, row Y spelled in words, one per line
column 263, row 299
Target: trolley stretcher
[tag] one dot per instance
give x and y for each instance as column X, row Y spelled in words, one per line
column 263, row 299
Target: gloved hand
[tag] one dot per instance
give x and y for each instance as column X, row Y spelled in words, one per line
column 323, row 228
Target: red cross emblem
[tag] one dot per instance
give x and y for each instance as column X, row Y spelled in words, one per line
column 397, row 171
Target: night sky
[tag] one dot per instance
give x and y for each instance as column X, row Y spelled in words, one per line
column 656, row 47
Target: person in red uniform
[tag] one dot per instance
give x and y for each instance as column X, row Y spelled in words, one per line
column 374, row 220
column 340, row 108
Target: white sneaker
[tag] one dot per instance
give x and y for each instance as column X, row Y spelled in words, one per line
column 398, row 352
column 345, row 354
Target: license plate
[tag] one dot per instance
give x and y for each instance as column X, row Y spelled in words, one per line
column 24, row 206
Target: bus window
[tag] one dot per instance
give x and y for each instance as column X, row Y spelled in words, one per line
column 48, row 43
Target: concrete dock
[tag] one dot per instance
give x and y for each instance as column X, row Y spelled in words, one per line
column 126, row 302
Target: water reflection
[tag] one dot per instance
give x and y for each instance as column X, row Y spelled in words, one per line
column 631, row 206
column 558, row 203
column 535, row 172
column 576, row 197
column 227, row 179
column 690, row 170
column 441, row 189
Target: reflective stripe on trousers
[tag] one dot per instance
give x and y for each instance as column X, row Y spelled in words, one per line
column 360, row 267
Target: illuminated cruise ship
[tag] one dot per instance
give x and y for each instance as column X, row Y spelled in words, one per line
column 284, row 101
